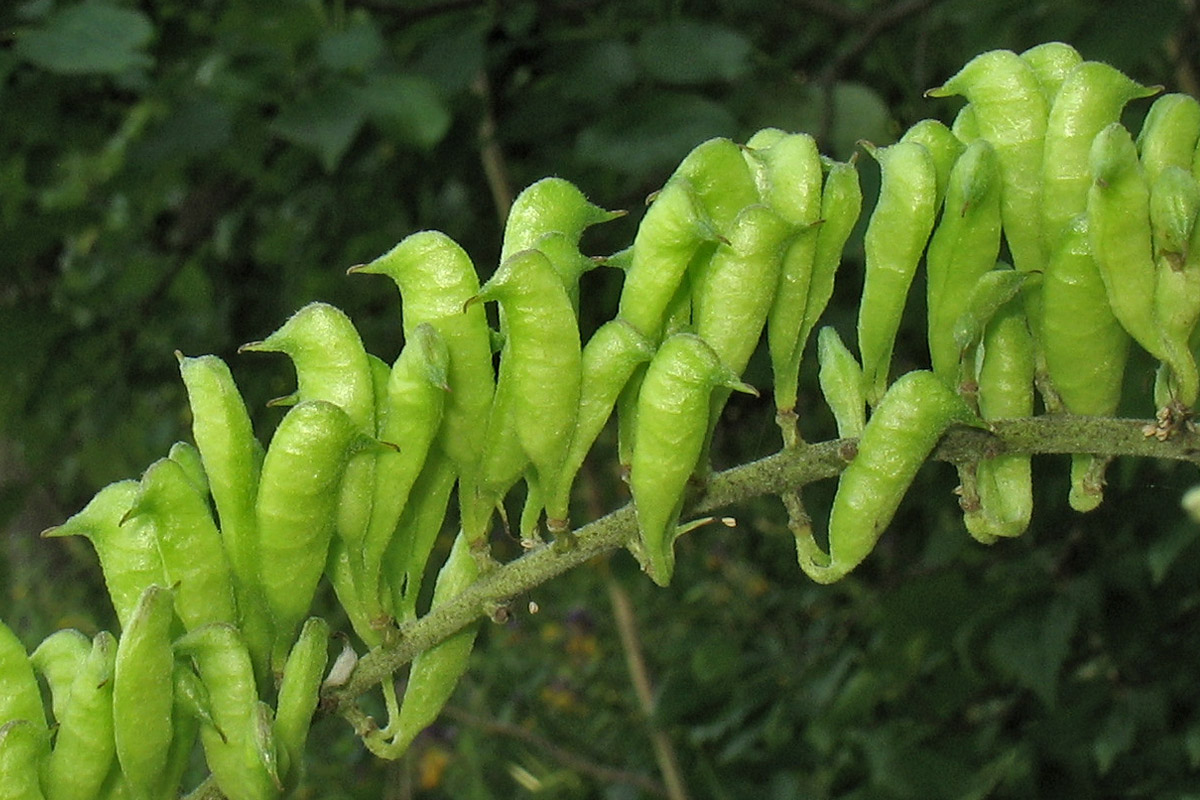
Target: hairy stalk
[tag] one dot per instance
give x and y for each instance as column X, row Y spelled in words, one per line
column 772, row 475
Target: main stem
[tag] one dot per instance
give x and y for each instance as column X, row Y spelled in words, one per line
column 786, row 470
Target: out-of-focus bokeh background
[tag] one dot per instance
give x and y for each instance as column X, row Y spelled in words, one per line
column 179, row 175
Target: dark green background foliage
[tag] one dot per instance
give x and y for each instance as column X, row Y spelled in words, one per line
column 183, row 175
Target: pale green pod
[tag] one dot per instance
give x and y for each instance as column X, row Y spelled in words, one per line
column 232, row 746
column 963, row 247
column 1119, row 228
column 895, row 240
column 719, row 175
column 58, row 659
column 297, row 508
column 1169, row 134
column 840, row 378
column 1085, row 348
column 188, row 457
column 965, row 126
column 417, row 391
column 1174, row 212
column 299, row 692
column 1050, row 62
column 543, row 354
column 84, row 747
column 423, row 519
column 143, row 693
column 841, row 204
column 1010, row 111
column 671, row 428
column 550, row 215
column 332, row 365
column 989, row 294
column 673, row 230
column 943, row 146
column 1092, row 96
column 23, row 745
column 904, row 428
column 436, row 279
column 128, row 553
column 545, row 206
column 1005, row 380
column 194, row 561
column 232, row 459
column 607, row 362
column 19, row 695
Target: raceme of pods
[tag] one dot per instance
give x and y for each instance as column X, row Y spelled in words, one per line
column 214, row 558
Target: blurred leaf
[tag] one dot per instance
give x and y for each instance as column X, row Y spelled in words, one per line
column 92, row 37
column 651, row 135
column 1031, row 646
column 408, row 108
column 1115, row 736
column 353, row 48
column 1165, row 549
column 325, row 123
column 690, row 52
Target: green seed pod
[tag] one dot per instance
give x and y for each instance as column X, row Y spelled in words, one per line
column 143, row 693
column 1005, row 379
column 299, row 692
column 58, row 659
column 718, row 173
column 672, row 423
column 1174, row 208
column 1050, row 63
column 735, row 292
column 1119, row 227
column 898, row 438
column 84, row 747
column 436, row 280
column 1010, row 112
column 788, row 167
column 670, row 235
column 23, row 745
column 895, row 239
column 231, row 746
column 841, row 204
column 232, row 462
column 417, row 389
column 332, row 365
column 422, row 521
column 188, row 457
column 551, row 215
column 609, row 358
column 542, row 350
column 194, row 562
column 297, row 508
column 19, row 695
column 963, row 247
column 1169, row 134
column 965, row 126
column 991, row 291
column 943, row 146
column 435, row 672
column 1092, row 96
column 128, row 553
column 840, row 377
column 191, row 695
column 1085, row 347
